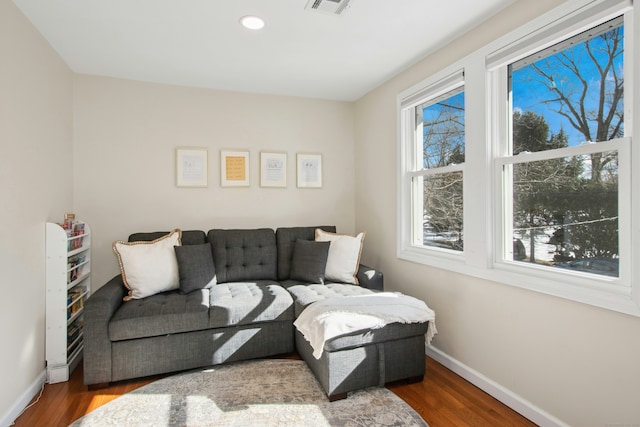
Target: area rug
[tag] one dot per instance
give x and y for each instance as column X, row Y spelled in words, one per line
column 273, row 392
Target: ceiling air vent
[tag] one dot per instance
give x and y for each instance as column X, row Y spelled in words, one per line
column 331, row 7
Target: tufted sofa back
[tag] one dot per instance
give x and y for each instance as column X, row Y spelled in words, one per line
column 189, row 237
column 247, row 254
column 241, row 255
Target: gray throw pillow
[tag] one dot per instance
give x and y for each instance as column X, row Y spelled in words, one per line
column 195, row 267
column 309, row 261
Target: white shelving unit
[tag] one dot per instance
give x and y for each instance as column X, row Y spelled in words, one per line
column 68, row 283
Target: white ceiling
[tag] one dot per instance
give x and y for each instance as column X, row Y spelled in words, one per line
column 299, row 52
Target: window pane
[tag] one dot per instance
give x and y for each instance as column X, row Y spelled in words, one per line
column 570, row 93
column 565, row 212
column 442, row 211
column 443, row 130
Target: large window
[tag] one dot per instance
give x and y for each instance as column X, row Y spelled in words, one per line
column 520, row 169
column 560, row 164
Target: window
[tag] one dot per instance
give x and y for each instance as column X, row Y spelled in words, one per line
column 562, row 157
column 435, row 129
column 560, row 163
column 440, row 134
column 520, row 170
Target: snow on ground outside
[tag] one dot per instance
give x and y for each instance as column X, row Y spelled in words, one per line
column 543, row 251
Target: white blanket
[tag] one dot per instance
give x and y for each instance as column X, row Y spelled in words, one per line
column 333, row 317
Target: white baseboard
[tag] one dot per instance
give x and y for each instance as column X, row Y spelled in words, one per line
column 16, row 409
column 504, row 395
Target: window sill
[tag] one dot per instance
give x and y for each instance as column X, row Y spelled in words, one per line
column 608, row 293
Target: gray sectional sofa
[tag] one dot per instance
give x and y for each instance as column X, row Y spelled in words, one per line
column 247, row 314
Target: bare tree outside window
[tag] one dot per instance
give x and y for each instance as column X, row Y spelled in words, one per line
column 565, row 96
column 443, row 145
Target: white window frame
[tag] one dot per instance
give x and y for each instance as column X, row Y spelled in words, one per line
column 410, row 243
column 486, row 115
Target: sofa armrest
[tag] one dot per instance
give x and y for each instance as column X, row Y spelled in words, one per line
column 370, row 278
column 98, row 310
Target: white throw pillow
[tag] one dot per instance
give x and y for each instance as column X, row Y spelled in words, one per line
column 344, row 256
column 149, row 267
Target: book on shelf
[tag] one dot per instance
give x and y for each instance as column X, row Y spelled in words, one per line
column 72, row 347
column 76, row 305
column 73, row 229
column 74, row 331
column 75, row 293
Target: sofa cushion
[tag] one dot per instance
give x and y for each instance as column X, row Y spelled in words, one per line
column 195, row 267
column 189, row 237
column 244, row 255
column 242, row 303
column 286, row 239
column 309, row 261
column 148, row 268
column 161, row 314
column 303, row 295
column 344, row 256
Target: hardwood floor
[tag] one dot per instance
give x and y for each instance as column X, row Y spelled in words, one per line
column 445, row 399
column 442, row 399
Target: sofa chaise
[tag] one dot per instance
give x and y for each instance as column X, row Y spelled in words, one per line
column 263, row 279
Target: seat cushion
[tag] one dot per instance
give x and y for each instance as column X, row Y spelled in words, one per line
column 242, row 303
column 161, row 314
column 303, row 295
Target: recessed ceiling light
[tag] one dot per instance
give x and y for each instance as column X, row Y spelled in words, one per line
column 252, row 22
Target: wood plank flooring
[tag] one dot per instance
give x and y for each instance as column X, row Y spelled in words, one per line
column 443, row 399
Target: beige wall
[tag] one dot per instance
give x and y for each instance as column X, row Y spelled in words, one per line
column 36, row 184
column 576, row 362
column 125, row 136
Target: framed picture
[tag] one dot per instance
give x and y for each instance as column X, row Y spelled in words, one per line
column 234, row 168
column 191, row 167
column 273, row 169
column 309, row 170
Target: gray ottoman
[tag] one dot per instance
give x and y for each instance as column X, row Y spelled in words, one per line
column 365, row 358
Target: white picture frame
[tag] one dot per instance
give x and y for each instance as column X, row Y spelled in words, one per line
column 273, row 169
column 192, row 167
column 309, row 170
column 234, row 168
